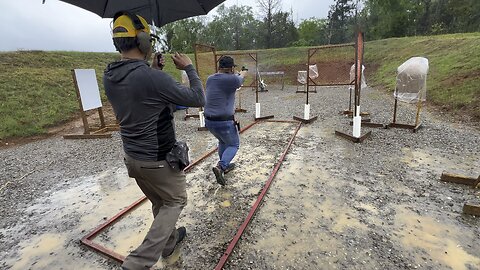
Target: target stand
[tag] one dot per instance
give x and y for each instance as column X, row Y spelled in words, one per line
column 349, row 111
column 368, row 123
column 248, row 60
column 88, row 96
column 309, row 81
column 311, row 73
column 201, row 117
column 306, row 115
column 468, row 208
column 461, row 179
column 306, row 112
column 356, row 136
column 239, row 108
column 411, row 87
column 258, row 114
column 189, row 115
column 415, row 127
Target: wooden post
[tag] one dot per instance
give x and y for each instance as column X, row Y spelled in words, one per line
column 395, row 111
column 471, row 209
column 86, row 127
column 419, row 107
column 102, row 119
column 459, row 179
column 477, row 182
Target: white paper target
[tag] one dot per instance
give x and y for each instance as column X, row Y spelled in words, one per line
column 88, row 88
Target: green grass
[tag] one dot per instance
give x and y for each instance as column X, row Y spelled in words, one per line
column 36, row 88
column 454, row 76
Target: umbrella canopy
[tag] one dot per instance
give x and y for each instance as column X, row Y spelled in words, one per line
column 160, row 12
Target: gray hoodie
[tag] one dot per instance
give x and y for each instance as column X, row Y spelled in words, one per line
column 143, row 100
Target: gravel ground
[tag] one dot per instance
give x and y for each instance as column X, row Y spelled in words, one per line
column 333, row 204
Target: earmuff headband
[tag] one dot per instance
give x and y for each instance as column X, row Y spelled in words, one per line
column 135, row 20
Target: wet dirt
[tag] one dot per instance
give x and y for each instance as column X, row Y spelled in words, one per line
column 332, row 205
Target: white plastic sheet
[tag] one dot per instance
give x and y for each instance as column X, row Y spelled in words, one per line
column 302, row 74
column 412, row 80
column 352, row 75
column 313, row 71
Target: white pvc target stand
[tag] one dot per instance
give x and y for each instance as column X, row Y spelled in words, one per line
column 201, row 116
column 257, row 110
column 306, row 113
column 357, row 124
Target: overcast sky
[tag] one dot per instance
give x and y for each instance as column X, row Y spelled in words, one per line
column 55, row 25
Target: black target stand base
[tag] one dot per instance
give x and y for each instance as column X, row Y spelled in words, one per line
column 352, row 138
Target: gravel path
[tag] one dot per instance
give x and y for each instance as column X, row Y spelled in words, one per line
column 333, row 204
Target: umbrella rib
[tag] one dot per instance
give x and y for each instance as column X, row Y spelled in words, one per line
column 203, row 7
column 154, row 3
column 105, row 8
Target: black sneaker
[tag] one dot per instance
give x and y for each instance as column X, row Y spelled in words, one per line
column 230, row 167
column 217, row 170
column 181, row 235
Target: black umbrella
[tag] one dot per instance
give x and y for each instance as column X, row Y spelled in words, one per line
column 160, row 12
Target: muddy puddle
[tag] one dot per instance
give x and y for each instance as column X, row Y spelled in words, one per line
column 67, row 215
column 332, row 205
column 434, row 241
column 460, row 163
column 316, row 216
column 212, row 215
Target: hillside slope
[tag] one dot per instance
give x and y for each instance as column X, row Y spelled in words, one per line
column 36, row 89
column 454, row 77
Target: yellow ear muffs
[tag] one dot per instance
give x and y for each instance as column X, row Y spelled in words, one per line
column 133, row 26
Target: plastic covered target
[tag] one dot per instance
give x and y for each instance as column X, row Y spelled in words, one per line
column 302, row 74
column 352, row 75
column 313, row 71
column 412, row 80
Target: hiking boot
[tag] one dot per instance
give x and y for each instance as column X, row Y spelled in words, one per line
column 217, row 170
column 230, row 167
column 181, row 235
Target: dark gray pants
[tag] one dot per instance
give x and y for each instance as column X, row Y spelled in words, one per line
column 166, row 189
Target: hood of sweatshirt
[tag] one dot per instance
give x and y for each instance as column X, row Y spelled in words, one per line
column 117, row 71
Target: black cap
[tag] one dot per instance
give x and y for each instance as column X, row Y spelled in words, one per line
column 226, row 62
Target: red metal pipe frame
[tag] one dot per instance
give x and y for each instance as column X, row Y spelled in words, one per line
column 311, row 53
column 87, row 239
column 359, row 50
column 255, row 206
column 281, row 121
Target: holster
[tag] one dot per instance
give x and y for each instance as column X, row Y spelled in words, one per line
column 178, row 157
column 237, row 124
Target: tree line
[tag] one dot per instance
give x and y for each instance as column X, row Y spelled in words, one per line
column 239, row 28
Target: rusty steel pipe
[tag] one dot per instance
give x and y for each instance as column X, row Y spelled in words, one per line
column 87, row 239
column 282, row 121
column 255, row 206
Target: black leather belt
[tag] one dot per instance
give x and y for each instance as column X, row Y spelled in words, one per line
column 220, row 118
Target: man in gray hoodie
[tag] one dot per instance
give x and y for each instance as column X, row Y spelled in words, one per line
column 143, row 100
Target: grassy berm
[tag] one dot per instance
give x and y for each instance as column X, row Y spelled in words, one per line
column 37, row 91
